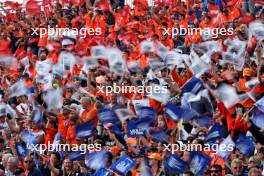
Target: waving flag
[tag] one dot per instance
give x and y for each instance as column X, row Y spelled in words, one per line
column 159, row 135
column 54, row 99
column 147, row 112
column 96, row 160
column 258, row 119
column 203, row 121
column 21, row 149
column 106, row 115
column 99, row 51
column 175, row 165
column 215, row 132
column 57, row 139
column 228, row 95
column 123, row 165
column 199, row 162
column 146, row 46
column 102, row 172
column 75, row 155
column 193, row 85
column 245, row 145
column 134, row 130
column 123, row 114
column 224, row 151
column 84, row 130
column 18, row 89
column 28, row 138
column 256, row 28
column 172, row 111
column 260, row 104
column 32, row 7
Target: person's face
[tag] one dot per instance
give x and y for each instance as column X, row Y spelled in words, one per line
column 75, row 165
column 215, row 172
column 54, row 159
column 11, row 165
column 237, row 169
column 257, row 173
column 251, row 164
column 68, row 165
column 28, row 162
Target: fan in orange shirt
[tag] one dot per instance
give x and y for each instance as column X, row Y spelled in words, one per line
column 89, row 112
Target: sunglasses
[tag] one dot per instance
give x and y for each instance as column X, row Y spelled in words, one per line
column 28, row 161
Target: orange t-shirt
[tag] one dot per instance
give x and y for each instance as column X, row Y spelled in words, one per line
column 63, row 125
column 90, row 114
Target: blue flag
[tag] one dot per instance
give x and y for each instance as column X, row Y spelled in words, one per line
column 172, row 111
column 205, row 8
column 107, row 115
column 258, row 119
column 75, row 156
column 21, row 149
column 84, row 130
column 102, row 172
column 193, row 85
column 159, row 135
column 203, row 121
column 134, row 130
column 29, row 139
column 174, row 164
column 260, row 104
column 199, row 162
column 224, row 148
column 245, row 145
column 123, row 165
column 147, row 112
column 214, row 133
column 96, row 160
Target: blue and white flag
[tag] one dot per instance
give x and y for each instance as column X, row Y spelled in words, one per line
column 102, row 172
column 193, row 85
column 245, row 145
column 260, row 104
column 258, row 119
column 75, row 155
column 96, row 160
column 174, row 164
column 134, row 130
column 225, row 148
column 215, row 132
column 199, row 162
column 172, row 111
column 21, row 149
column 84, row 130
column 159, row 135
column 124, row 164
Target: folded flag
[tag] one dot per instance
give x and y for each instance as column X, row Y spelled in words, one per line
column 260, row 104
column 175, row 165
column 199, row 162
column 245, row 145
column 123, row 165
column 84, row 130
